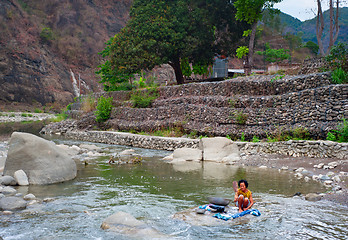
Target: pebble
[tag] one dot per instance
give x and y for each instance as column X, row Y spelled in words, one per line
column 328, row 183
column 315, row 177
column 330, row 174
column 301, row 169
column 320, row 165
column 337, row 188
column 263, row 167
column 7, row 212
column 333, row 164
column 306, row 179
column 29, row 197
column 324, row 178
column 336, row 179
column 298, row 175
column 285, row 168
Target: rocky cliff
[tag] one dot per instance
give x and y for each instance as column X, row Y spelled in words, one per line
column 46, row 46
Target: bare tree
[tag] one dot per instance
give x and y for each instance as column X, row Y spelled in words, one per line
column 334, row 26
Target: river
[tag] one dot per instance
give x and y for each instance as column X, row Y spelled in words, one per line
column 155, row 190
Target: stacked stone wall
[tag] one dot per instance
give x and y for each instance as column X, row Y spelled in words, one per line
column 268, row 104
column 315, row 149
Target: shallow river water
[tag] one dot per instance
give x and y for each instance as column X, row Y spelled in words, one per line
column 155, row 190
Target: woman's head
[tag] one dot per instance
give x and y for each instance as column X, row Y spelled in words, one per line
column 243, row 181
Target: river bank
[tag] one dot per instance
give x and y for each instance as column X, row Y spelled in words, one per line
column 306, row 159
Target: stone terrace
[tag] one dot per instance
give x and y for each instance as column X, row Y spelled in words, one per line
column 269, row 105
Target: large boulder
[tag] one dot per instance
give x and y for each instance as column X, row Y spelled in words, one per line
column 12, row 203
column 125, row 223
column 219, row 149
column 41, row 160
column 187, row 154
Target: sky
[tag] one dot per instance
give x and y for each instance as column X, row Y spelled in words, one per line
column 302, row 9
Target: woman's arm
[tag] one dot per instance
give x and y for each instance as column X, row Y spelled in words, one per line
column 236, row 196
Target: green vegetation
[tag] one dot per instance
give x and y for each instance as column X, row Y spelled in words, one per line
column 144, row 98
column 242, row 51
column 179, row 33
column 240, row 117
column 341, row 134
column 338, row 62
column 299, row 133
column 59, row 117
column 37, row 110
column 104, row 108
column 46, row 34
column 274, row 55
column 312, row 46
column 339, row 76
column 255, row 139
column 251, row 11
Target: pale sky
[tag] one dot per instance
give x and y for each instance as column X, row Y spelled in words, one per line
column 302, row 9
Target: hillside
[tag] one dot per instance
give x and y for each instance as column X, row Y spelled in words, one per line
column 308, row 28
column 44, row 42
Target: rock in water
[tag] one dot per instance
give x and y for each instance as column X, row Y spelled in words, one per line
column 41, row 160
column 12, row 203
column 124, row 223
column 313, row 197
column 21, row 178
column 219, row 149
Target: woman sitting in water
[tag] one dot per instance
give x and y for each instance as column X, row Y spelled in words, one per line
column 243, row 197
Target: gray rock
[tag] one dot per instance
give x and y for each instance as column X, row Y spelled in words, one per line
column 29, row 196
column 8, row 181
column 324, row 178
column 42, row 160
column 21, row 178
column 126, row 224
column 187, row 154
column 313, row 197
column 219, row 149
column 12, row 203
column 8, row 190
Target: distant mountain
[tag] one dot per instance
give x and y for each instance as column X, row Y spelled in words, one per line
column 308, row 27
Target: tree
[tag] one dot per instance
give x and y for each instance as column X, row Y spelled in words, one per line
column 159, row 32
column 334, row 27
column 251, row 11
column 274, row 55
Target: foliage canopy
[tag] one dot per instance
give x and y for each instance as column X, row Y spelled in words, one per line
column 171, row 32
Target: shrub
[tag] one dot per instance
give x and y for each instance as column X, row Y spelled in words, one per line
column 144, row 99
column 104, row 109
column 255, row 139
column 343, row 131
column 301, row 134
column 46, row 34
column 242, row 137
column 331, row 136
column 339, row 76
column 241, row 117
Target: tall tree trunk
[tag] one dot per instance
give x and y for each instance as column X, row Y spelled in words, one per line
column 175, row 64
column 251, row 45
column 331, row 27
column 320, row 28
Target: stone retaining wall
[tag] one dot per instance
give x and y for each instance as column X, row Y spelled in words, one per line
column 133, row 140
column 315, row 149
